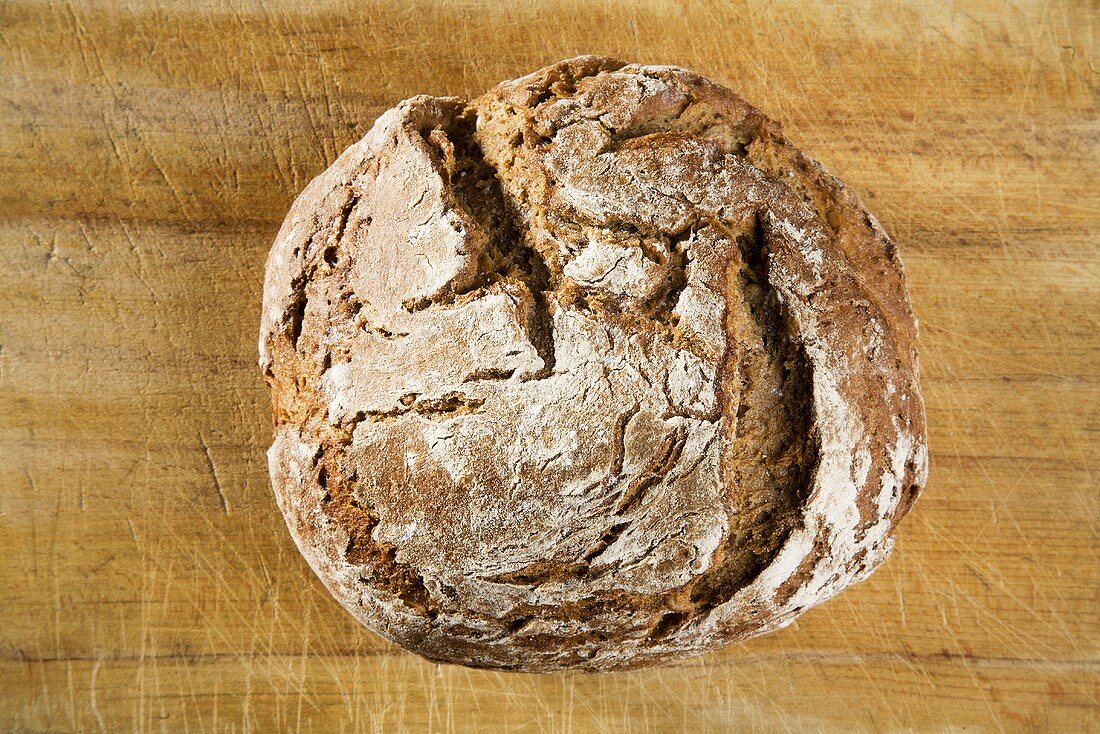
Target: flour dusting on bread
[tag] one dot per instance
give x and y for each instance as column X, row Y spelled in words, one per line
column 594, row 371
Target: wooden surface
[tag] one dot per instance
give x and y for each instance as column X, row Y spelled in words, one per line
column 149, row 153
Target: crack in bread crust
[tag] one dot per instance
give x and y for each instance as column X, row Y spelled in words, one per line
column 594, row 371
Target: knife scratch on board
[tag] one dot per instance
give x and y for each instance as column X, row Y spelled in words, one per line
column 214, row 474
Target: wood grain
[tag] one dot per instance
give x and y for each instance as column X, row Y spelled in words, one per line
column 149, row 153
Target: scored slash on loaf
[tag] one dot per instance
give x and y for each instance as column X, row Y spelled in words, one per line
column 594, row 371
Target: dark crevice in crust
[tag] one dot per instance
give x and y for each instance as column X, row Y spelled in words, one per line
column 504, row 256
column 621, row 424
column 668, row 623
column 539, row 573
column 489, row 374
column 664, row 459
column 379, row 560
column 315, row 259
column 663, row 305
column 771, row 446
column 507, row 256
column 297, row 311
column 441, row 408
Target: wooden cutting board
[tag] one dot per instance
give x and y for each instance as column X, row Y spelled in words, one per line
column 149, row 152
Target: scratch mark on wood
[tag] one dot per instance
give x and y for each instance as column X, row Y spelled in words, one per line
column 214, row 473
column 92, row 697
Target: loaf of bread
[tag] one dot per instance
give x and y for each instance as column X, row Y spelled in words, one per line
column 593, row 372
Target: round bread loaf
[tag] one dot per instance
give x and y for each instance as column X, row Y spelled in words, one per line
column 592, row 372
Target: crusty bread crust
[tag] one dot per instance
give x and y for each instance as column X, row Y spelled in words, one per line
column 594, row 371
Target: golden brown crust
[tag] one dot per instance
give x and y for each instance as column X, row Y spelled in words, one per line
column 594, row 371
